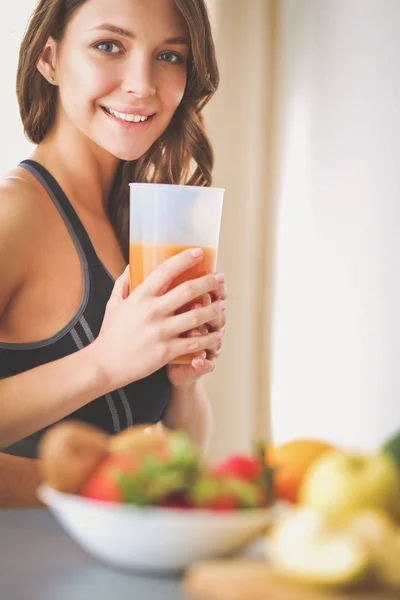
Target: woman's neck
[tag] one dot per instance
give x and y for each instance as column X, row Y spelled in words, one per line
column 85, row 171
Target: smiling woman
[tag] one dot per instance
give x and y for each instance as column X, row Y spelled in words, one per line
column 171, row 50
column 111, row 93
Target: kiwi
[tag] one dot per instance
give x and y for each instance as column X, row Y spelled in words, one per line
column 69, row 453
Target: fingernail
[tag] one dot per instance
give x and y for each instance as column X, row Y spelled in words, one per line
column 219, row 336
column 197, row 252
column 198, row 362
column 206, row 300
column 223, row 304
column 220, row 277
column 195, row 333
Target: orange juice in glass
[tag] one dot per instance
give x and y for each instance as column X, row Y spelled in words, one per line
column 167, row 219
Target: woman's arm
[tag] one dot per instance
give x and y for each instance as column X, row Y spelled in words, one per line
column 48, row 393
column 39, row 397
column 190, row 409
column 19, row 479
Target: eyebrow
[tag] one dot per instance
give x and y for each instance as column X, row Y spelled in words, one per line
column 129, row 34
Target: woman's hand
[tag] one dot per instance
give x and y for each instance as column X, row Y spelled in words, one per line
column 141, row 332
column 218, row 324
column 185, row 375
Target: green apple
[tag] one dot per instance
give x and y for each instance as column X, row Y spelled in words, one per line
column 306, row 546
column 341, row 483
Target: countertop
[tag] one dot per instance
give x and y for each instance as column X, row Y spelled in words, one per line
column 39, row 561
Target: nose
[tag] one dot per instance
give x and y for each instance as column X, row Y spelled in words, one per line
column 139, row 78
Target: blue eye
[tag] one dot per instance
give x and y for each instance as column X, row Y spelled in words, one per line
column 108, row 47
column 171, row 57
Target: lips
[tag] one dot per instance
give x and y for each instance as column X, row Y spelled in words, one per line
column 131, row 120
column 129, row 111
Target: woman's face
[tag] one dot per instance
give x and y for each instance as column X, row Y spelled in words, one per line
column 121, row 71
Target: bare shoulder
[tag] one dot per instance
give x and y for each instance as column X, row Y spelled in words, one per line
column 21, row 222
column 19, row 206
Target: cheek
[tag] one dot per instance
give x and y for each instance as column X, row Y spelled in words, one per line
column 84, row 81
column 171, row 89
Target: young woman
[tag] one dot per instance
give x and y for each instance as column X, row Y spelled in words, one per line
column 110, row 92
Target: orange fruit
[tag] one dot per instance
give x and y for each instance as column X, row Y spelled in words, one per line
column 291, row 462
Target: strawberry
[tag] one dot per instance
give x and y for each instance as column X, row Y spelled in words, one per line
column 250, row 469
column 104, row 483
column 240, row 466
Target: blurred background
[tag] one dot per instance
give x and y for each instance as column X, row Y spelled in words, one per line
column 306, row 131
column 306, row 128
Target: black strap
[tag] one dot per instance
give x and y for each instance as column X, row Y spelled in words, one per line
column 60, row 200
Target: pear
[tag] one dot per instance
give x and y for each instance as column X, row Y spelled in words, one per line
column 389, row 565
column 375, row 528
column 307, row 546
column 382, row 537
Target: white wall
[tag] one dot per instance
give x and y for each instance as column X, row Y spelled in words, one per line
column 336, row 346
column 13, row 19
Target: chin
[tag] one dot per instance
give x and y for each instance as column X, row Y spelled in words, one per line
column 128, row 154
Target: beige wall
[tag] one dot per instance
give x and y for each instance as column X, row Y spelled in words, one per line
column 240, row 128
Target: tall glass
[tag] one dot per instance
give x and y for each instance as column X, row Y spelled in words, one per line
column 167, row 219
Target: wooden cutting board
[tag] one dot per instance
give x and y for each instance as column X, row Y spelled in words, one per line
column 255, row 580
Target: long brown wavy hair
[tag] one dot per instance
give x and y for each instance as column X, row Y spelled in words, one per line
column 182, row 154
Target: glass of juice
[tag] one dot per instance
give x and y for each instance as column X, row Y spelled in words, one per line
column 166, row 219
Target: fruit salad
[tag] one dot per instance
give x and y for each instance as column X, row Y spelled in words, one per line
column 146, row 466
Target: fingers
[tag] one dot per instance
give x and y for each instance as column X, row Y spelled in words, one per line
column 213, row 355
column 194, row 319
column 161, row 278
column 121, row 287
column 215, row 352
column 220, row 321
column 206, row 300
column 195, row 333
column 210, row 341
column 222, row 293
column 203, row 366
column 187, row 292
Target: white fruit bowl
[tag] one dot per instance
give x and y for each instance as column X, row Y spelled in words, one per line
column 153, row 538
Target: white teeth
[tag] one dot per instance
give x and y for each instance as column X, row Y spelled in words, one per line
column 126, row 117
